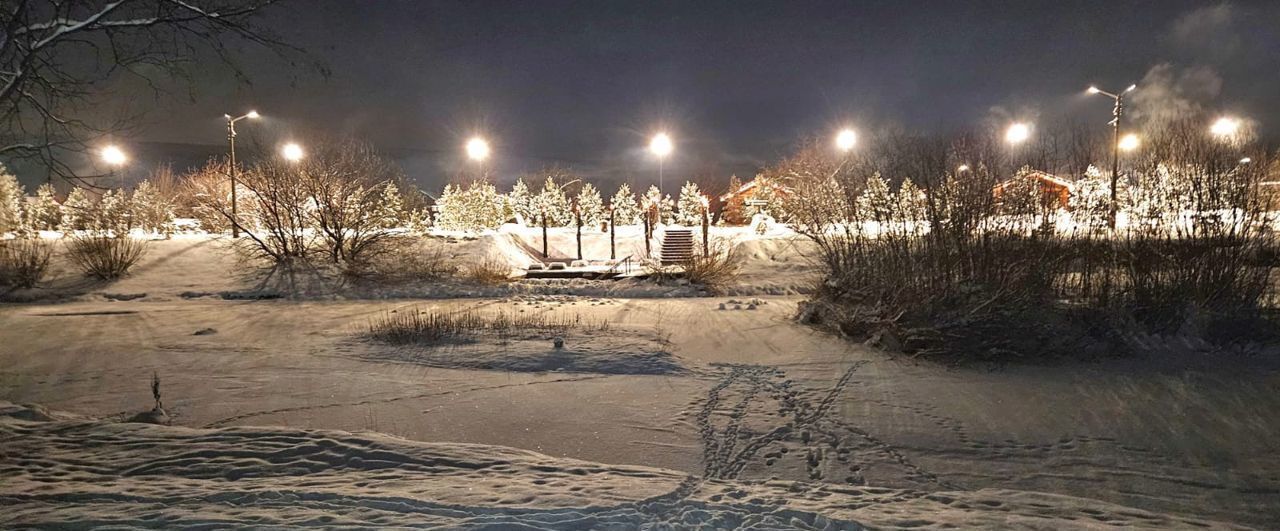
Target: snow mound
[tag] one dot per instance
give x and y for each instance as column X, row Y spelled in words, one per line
column 85, row 473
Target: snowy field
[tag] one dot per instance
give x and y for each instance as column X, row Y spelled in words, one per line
column 681, row 413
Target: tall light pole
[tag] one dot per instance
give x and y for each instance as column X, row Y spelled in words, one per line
column 114, row 157
column 478, row 150
column 231, row 146
column 1116, row 113
column 661, row 146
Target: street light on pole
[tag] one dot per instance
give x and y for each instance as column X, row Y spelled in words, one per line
column 478, row 150
column 292, row 152
column 661, row 146
column 1117, row 112
column 114, row 157
column 846, row 139
column 231, row 147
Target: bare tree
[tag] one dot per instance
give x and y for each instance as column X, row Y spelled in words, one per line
column 58, row 56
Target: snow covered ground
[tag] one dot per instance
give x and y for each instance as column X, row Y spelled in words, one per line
column 760, row 420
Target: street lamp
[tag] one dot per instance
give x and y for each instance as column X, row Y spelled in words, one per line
column 114, row 157
column 292, row 152
column 1017, row 133
column 661, row 146
column 231, row 147
column 478, row 150
column 846, row 139
column 1117, row 112
column 1129, row 142
column 1225, row 128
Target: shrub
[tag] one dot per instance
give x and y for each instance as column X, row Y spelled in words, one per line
column 105, row 257
column 411, row 325
column 489, row 270
column 714, row 271
column 23, row 262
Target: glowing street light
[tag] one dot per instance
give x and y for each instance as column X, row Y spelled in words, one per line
column 846, row 139
column 1225, row 128
column 113, row 156
column 1129, row 142
column 292, row 152
column 1116, row 113
column 478, row 149
column 231, row 147
column 1017, row 133
column 661, row 146
column 962, row 168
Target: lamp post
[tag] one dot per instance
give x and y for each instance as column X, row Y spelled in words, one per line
column 114, row 157
column 846, row 139
column 661, row 146
column 231, row 146
column 1117, row 112
column 706, row 222
column 478, row 150
column 292, row 152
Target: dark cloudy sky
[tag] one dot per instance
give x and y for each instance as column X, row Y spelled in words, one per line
column 735, row 83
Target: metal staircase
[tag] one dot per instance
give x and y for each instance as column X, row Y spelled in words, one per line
column 677, row 246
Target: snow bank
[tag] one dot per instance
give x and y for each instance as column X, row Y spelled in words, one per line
column 61, row 471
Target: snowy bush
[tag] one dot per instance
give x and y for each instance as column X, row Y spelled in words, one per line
column 111, row 213
column 625, row 209
column 23, row 261
column 734, row 211
column 105, row 257
column 689, row 206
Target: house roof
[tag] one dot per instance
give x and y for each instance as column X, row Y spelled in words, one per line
column 749, row 186
column 1040, row 175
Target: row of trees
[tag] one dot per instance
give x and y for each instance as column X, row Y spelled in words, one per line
column 480, row 206
column 146, row 208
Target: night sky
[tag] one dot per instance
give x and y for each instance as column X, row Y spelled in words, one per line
column 737, row 84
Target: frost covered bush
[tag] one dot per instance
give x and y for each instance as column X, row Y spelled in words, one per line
column 715, row 271
column 975, row 264
column 24, row 261
column 551, row 201
column 105, row 257
column 150, row 210
column 43, row 211
column 523, row 203
column 659, row 207
column 590, row 206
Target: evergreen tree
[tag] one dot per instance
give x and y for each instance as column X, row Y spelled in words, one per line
column 734, row 211
column 479, row 207
column 12, row 197
column 876, row 201
column 112, row 213
column 44, row 212
column 689, row 206
column 523, row 203
column 556, row 206
column 664, row 203
column 591, row 206
column 911, row 202
column 78, row 211
column 390, row 208
column 149, row 210
column 625, row 209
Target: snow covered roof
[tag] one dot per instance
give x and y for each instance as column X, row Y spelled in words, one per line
column 749, row 186
column 1040, row 175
